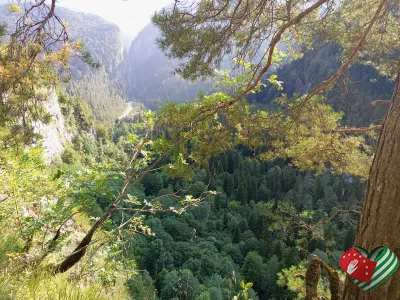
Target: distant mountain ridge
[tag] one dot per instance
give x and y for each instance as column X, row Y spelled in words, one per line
column 101, row 38
column 352, row 94
column 146, row 73
column 104, row 42
column 141, row 73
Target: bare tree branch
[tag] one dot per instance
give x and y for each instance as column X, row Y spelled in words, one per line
column 313, row 276
column 335, row 213
column 379, row 102
column 358, row 130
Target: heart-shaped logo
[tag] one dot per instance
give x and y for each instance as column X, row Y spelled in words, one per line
column 357, row 266
column 369, row 270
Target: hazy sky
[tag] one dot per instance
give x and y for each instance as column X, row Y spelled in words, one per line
column 130, row 15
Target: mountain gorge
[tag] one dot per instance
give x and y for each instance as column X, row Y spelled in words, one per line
column 143, row 73
column 196, row 200
column 146, row 74
column 104, row 43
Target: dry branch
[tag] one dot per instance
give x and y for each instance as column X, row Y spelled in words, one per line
column 358, row 130
column 379, row 102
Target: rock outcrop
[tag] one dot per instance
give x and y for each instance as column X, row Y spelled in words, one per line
column 55, row 134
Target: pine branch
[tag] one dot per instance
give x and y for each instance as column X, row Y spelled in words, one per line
column 358, row 130
column 379, row 102
column 275, row 40
column 325, row 84
column 277, row 37
column 341, row 211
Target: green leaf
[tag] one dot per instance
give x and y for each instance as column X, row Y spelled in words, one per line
column 248, row 285
column 15, row 8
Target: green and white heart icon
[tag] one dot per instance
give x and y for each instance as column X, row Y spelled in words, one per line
column 387, row 264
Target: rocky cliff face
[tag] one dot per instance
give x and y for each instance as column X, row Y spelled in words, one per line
column 103, row 40
column 55, row 134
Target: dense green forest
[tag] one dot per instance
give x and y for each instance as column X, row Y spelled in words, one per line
column 250, row 230
column 247, row 231
column 105, row 101
column 239, row 235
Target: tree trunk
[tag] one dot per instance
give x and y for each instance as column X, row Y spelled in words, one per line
column 380, row 217
column 80, row 250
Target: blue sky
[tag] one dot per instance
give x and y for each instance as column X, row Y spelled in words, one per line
column 130, row 15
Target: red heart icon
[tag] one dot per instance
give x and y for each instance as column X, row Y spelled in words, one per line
column 356, row 265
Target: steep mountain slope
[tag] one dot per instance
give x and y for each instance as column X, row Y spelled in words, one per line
column 352, row 94
column 104, row 42
column 56, row 134
column 146, row 73
column 103, row 39
column 99, row 92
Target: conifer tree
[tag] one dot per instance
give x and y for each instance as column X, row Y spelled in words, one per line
column 206, row 32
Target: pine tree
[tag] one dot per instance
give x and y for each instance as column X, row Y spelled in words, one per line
column 252, row 188
column 228, row 184
column 241, row 194
column 319, row 189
